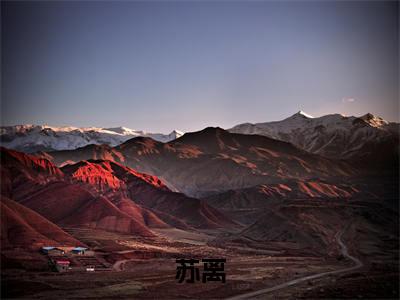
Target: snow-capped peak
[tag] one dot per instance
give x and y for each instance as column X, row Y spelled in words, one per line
column 374, row 121
column 30, row 138
column 176, row 133
column 122, row 130
column 304, row 114
column 332, row 135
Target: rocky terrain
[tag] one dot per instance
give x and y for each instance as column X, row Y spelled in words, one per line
column 334, row 135
column 213, row 160
column 287, row 219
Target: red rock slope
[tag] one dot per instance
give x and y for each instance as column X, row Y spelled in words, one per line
column 119, row 182
column 22, row 227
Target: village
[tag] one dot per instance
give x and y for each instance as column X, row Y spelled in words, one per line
column 74, row 259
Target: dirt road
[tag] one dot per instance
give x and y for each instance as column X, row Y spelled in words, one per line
column 358, row 264
column 119, row 265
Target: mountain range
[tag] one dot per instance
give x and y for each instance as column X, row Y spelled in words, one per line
column 146, row 182
column 212, row 160
column 32, row 138
column 245, row 188
column 334, row 136
column 97, row 194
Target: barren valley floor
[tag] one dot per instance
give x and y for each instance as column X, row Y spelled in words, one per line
column 145, row 268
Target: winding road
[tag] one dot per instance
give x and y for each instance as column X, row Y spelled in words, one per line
column 358, row 264
column 119, row 265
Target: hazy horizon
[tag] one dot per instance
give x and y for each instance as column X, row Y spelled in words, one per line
column 167, row 132
column 160, row 66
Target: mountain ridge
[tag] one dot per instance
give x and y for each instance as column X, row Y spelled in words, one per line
column 32, row 138
column 214, row 160
column 334, row 135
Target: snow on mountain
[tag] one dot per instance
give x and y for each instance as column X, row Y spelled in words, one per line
column 332, row 135
column 302, row 113
column 31, row 138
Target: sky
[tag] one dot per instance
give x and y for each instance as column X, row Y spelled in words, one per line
column 186, row 65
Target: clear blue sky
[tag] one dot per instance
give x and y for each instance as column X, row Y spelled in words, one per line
column 159, row 66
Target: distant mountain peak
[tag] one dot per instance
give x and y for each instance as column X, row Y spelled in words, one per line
column 121, row 130
column 367, row 116
column 177, row 131
column 332, row 135
column 33, row 138
column 175, row 134
column 213, row 129
column 303, row 114
column 373, row 120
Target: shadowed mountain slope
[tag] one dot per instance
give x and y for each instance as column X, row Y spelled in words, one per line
column 22, row 227
column 214, row 160
column 102, row 194
column 262, row 195
column 121, row 183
